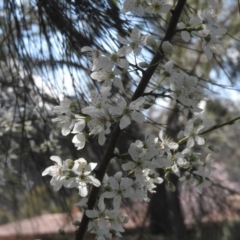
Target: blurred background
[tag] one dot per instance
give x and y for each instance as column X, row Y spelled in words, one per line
column 40, row 59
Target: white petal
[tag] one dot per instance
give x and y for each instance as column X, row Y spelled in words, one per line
column 181, row 25
column 166, row 8
column 117, row 201
column 83, row 191
column 190, row 142
column 200, row 140
column 66, row 128
column 137, row 103
column 92, row 213
column 195, row 20
column 95, row 181
column 86, row 49
column 125, row 121
column 118, row 83
column 108, row 195
column 56, row 159
column 137, row 116
column 116, row 111
column 47, row 171
column 121, row 102
column 124, row 51
column 90, row 167
column 167, row 47
column 173, row 145
column 123, row 63
column 113, row 183
column 169, row 66
column 101, row 138
column 79, row 126
column 185, row 36
column 126, row 183
column 137, row 51
column 122, row 40
column 102, row 224
column 128, row 166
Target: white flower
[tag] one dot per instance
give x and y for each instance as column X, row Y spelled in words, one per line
column 107, row 219
column 157, row 6
column 98, row 61
column 152, row 176
column 128, row 113
column 120, row 187
column 136, row 40
column 100, row 215
column 79, row 140
column 140, row 161
column 208, row 45
column 142, row 185
column 167, row 144
column 209, row 18
column 185, row 34
column 161, row 162
column 204, row 172
column 66, row 118
column 116, row 59
column 185, row 89
column 64, row 107
column 101, row 233
column 107, row 77
column 58, row 173
column 67, row 122
column 99, row 125
column 192, row 131
column 84, row 177
column 187, row 180
column 116, row 221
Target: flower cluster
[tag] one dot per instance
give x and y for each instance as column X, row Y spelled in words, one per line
column 149, row 6
column 207, row 26
column 97, row 117
column 145, row 160
column 72, row 174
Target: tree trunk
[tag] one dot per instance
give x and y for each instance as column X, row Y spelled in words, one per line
column 164, row 209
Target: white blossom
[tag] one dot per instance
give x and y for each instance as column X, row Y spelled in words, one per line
column 157, row 6
column 84, row 176
column 98, row 61
column 58, row 173
column 120, row 187
column 107, row 77
column 133, row 44
column 128, row 113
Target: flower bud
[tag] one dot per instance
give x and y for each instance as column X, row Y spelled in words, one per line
column 151, row 42
column 112, row 162
column 167, row 47
column 143, row 64
column 116, row 151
